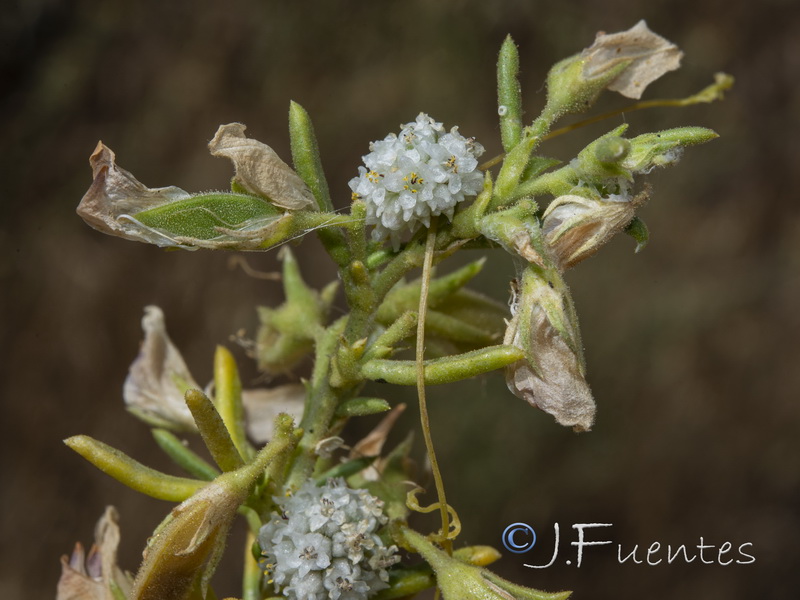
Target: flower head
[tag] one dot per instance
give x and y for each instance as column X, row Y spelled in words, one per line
column 423, row 171
column 324, row 545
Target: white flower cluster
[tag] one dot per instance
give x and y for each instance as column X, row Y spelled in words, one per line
column 422, row 172
column 325, row 546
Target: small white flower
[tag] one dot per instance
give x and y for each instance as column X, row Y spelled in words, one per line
column 423, row 172
column 325, row 544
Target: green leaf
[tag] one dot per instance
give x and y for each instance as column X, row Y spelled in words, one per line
column 443, row 370
column 132, row 473
column 455, row 330
column 509, row 95
column 346, row 469
column 213, row 431
column 203, row 216
column 663, row 148
column 228, row 399
column 513, row 167
column 182, row 456
column 405, row 297
column 305, row 155
column 406, row 582
column 360, row 407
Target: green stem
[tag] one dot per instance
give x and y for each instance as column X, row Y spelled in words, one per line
column 251, row 580
column 409, row 258
column 360, row 298
column 320, row 407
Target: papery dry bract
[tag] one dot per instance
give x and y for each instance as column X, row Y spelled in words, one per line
column 651, row 57
column 575, row 227
column 115, row 195
column 262, row 405
column 259, row 170
column 552, row 375
column 92, row 577
column 158, row 378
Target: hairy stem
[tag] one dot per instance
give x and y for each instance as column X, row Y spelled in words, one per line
column 321, row 402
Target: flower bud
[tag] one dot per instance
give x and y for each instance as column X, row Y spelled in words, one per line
column 551, row 376
column 517, row 229
column 600, row 163
column 612, row 149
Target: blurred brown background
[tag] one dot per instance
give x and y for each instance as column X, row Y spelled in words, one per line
column 691, row 345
